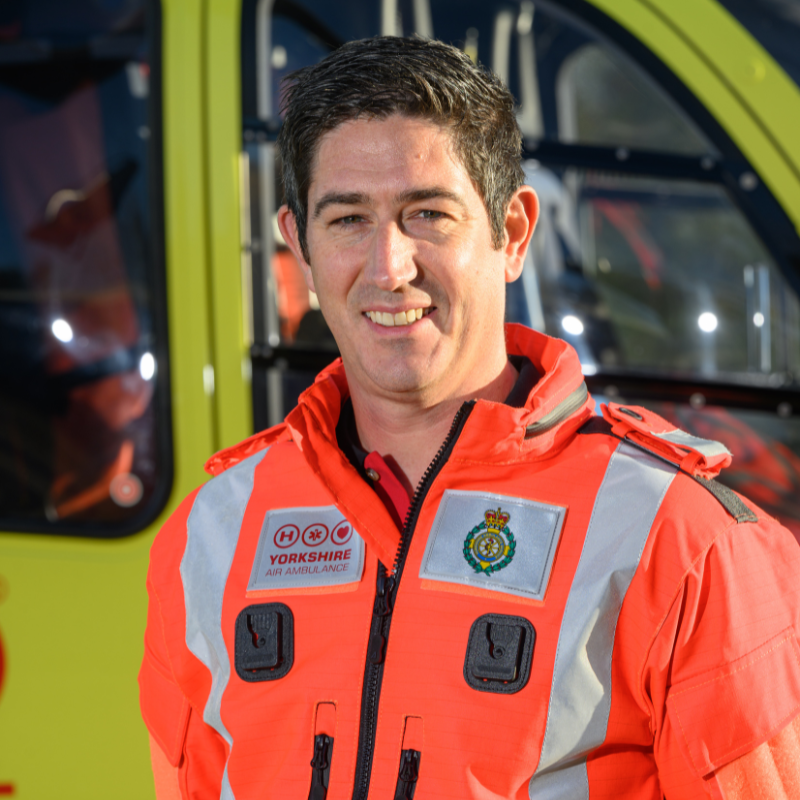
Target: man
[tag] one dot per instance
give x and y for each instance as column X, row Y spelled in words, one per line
column 442, row 575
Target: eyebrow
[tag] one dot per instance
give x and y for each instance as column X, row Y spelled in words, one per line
column 340, row 198
column 409, row 196
column 434, row 192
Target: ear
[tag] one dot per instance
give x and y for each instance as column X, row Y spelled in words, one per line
column 288, row 228
column 521, row 216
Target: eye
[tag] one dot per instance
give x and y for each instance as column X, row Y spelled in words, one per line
column 430, row 214
column 350, row 219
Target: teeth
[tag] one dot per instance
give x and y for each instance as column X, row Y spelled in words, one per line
column 396, row 320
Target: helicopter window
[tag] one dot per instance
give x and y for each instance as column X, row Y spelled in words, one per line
column 658, row 276
column 82, row 346
column 602, row 101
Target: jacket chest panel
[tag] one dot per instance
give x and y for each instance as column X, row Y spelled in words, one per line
column 482, row 740
column 474, row 739
column 298, row 561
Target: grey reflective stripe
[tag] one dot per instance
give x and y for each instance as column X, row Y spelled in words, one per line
column 212, row 533
column 564, row 409
column 708, row 447
column 567, row 783
column 580, row 696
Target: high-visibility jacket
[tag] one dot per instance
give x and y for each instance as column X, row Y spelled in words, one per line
column 573, row 609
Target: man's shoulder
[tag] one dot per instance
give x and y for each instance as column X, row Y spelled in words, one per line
column 232, row 473
column 695, row 498
column 699, row 519
column 230, row 456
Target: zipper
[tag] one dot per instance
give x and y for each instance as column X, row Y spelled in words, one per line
column 385, row 592
column 409, row 772
column 320, row 767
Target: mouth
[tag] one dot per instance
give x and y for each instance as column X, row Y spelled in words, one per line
column 388, row 320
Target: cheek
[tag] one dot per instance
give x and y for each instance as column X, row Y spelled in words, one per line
column 487, row 293
column 333, row 277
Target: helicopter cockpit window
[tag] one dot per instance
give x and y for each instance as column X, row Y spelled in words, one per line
column 600, row 100
column 82, row 354
column 654, row 276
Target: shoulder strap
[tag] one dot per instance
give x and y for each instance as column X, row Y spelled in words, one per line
column 730, row 500
column 697, row 457
column 702, row 459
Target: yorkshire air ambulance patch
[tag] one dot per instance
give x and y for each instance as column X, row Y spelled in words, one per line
column 491, row 541
column 303, row 547
column 490, row 545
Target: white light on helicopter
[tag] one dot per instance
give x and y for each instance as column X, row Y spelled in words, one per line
column 758, row 319
column 707, row 322
column 572, row 325
column 62, row 330
column 147, row 366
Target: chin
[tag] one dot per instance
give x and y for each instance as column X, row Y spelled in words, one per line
column 402, row 380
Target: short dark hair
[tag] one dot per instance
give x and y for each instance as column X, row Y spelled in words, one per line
column 413, row 77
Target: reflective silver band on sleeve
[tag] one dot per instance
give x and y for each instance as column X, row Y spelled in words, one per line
column 566, row 783
column 212, row 533
column 626, row 505
column 708, row 447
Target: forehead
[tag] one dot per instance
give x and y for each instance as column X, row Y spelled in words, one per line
column 391, row 149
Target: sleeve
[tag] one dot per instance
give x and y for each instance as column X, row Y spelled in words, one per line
column 182, row 744
column 165, row 709
column 727, row 657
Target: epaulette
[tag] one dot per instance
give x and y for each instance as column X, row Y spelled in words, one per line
column 702, row 459
column 226, row 458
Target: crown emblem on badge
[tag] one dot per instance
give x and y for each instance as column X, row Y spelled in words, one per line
column 490, row 545
column 496, row 520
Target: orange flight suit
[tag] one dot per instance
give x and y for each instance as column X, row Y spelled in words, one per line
column 573, row 609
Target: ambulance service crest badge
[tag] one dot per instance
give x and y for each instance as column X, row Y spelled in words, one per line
column 489, row 546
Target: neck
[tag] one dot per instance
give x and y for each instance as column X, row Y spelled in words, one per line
column 410, row 433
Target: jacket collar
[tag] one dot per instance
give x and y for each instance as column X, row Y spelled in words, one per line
column 556, row 407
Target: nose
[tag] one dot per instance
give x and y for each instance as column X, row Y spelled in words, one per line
column 391, row 258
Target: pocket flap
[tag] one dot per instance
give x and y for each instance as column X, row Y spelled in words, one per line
column 729, row 711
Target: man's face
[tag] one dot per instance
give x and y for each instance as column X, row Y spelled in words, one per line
column 401, row 259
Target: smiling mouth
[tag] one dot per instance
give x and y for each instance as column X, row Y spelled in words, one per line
column 399, row 319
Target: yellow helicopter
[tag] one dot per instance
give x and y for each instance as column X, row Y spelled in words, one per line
column 150, row 313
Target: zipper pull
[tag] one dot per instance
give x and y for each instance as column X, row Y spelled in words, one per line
column 383, row 595
column 321, row 767
column 409, row 772
column 383, row 608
